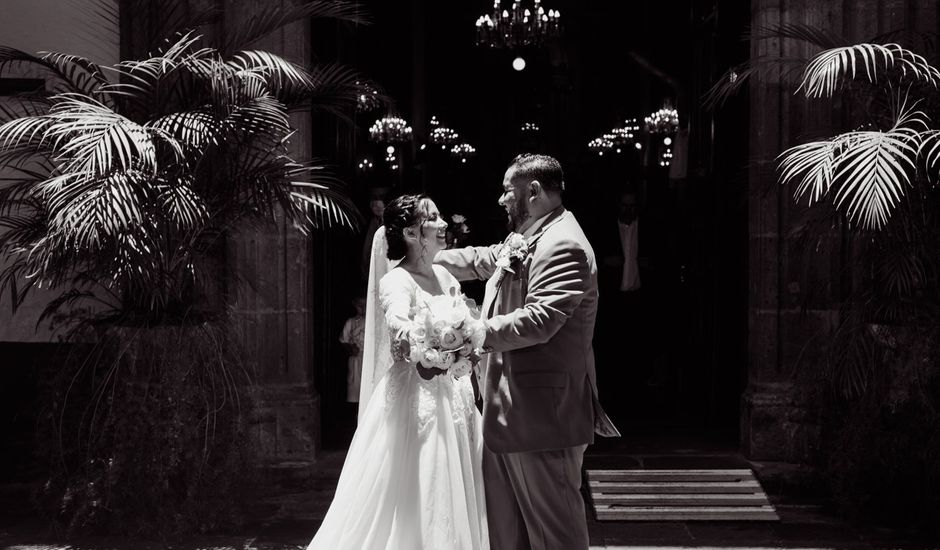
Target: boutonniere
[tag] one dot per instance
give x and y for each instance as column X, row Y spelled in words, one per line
column 512, row 252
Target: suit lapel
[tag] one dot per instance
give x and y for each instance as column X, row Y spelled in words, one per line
column 493, row 288
column 491, row 291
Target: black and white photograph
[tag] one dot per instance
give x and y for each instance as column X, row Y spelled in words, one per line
column 469, row 275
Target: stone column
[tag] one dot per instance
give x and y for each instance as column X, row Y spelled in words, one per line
column 795, row 284
column 269, row 270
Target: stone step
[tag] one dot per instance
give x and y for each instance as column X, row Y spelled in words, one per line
column 684, row 487
column 692, row 513
column 734, row 475
column 680, row 500
column 730, row 494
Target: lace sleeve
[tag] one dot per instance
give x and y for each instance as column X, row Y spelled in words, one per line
column 395, row 295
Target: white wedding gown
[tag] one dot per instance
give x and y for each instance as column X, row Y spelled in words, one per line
column 413, row 475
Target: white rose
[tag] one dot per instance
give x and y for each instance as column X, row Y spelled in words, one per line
column 418, row 333
column 516, row 241
column 431, row 357
column 416, row 354
column 449, row 338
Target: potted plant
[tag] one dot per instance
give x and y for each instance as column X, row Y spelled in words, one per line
column 875, row 180
column 122, row 182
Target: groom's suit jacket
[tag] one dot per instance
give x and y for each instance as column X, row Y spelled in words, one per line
column 539, row 382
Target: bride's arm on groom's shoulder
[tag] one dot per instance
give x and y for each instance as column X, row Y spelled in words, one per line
column 557, row 281
column 469, row 263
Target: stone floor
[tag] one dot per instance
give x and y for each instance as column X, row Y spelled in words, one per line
column 292, row 518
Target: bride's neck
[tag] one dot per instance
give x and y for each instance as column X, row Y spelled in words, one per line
column 418, row 264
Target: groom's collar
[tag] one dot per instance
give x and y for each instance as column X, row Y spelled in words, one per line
column 542, row 224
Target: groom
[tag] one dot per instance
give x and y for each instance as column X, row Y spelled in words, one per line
column 540, row 407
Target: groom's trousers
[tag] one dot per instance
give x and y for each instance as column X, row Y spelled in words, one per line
column 533, row 499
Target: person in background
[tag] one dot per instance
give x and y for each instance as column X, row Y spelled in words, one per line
column 628, row 223
column 352, row 339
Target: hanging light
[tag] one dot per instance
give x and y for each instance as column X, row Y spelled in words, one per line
column 368, row 98
column 463, row 151
column 390, row 130
column 663, row 121
column 601, row 145
column 518, row 26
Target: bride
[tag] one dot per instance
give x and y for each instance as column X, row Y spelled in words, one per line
column 413, row 475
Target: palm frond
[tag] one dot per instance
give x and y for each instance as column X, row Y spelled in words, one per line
column 15, row 107
column 182, row 205
column 91, row 138
column 335, row 90
column 738, row 77
column 25, row 133
column 815, row 161
column 87, row 75
column 322, row 200
column 930, row 148
column 873, row 167
column 173, row 17
column 66, row 299
column 122, row 183
column 273, row 18
column 826, row 71
column 193, row 130
column 262, row 117
column 107, row 210
column 279, row 74
column 870, row 169
column 13, row 278
column 823, row 38
column 70, row 76
column 16, row 189
column 141, row 78
column 901, row 270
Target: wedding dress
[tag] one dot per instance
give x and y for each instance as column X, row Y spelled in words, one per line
column 413, row 475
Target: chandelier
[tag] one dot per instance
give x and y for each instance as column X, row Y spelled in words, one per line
column 442, row 135
column 367, row 99
column 518, row 26
column 663, row 121
column 617, row 139
column 601, row 145
column 463, row 151
column 390, row 130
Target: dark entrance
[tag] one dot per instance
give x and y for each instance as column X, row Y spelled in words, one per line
column 671, row 356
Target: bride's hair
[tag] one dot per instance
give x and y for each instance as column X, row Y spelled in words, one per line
column 402, row 212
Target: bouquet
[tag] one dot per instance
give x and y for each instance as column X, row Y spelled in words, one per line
column 445, row 333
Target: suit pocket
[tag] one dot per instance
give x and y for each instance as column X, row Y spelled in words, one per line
column 542, row 379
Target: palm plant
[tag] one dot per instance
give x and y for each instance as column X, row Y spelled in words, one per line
column 875, row 180
column 119, row 179
column 117, row 188
column 867, row 172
